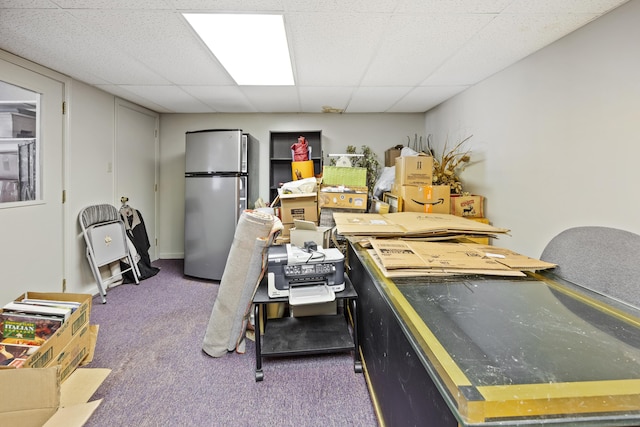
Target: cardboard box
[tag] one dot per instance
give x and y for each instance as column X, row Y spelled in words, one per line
column 78, row 351
column 342, row 200
column 414, row 170
column 71, row 328
column 302, row 206
column 390, row 156
column 35, row 397
column 467, row 206
column 426, row 198
column 344, row 176
column 394, row 201
column 305, row 231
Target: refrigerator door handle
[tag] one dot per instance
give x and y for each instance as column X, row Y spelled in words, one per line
column 243, row 154
column 241, row 191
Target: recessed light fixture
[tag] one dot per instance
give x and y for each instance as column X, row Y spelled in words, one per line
column 252, row 48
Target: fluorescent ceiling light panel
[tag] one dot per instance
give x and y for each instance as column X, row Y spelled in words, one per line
column 253, row 48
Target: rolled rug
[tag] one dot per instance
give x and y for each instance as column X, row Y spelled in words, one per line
column 238, row 284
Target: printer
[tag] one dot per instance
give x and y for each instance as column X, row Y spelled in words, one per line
column 305, row 275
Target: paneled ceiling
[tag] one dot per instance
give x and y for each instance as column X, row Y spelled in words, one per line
column 359, row 56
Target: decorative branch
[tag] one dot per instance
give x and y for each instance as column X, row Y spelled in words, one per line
column 447, row 167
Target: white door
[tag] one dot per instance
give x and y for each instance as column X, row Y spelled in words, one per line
column 32, row 246
column 136, row 159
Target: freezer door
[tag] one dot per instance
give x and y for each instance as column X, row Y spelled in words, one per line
column 212, row 208
column 215, row 151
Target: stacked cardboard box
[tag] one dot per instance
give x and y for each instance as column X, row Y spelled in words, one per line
column 425, row 198
column 303, row 206
column 413, row 190
column 414, row 170
column 343, row 188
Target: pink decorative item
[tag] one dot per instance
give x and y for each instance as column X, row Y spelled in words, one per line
column 300, row 150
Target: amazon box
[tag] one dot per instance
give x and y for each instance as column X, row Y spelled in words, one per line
column 425, row 198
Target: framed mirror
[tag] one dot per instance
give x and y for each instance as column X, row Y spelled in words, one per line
column 19, row 145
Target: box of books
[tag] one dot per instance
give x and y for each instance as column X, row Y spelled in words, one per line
column 78, row 351
column 37, row 326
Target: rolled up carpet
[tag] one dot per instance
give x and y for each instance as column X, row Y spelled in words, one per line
column 240, row 279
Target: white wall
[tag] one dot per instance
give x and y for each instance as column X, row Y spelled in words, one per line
column 89, row 141
column 556, row 137
column 91, row 146
column 379, row 131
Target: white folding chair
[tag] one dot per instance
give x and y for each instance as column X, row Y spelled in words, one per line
column 105, row 236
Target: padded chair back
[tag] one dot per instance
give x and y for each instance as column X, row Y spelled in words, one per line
column 603, row 259
column 98, row 213
column 106, row 240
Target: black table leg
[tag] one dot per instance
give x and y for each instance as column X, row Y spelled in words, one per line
column 259, row 321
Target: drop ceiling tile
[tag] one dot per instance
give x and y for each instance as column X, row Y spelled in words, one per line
column 508, row 39
column 222, row 99
column 341, row 6
column 27, row 4
column 272, row 99
column 423, row 98
column 375, row 99
column 163, row 42
column 112, row 4
column 133, row 97
column 333, row 49
column 432, row 7
column 414, row 46
column 172, row 98
column 227, row 5
column 312, row 99
column 562, row 7
column 59, row 41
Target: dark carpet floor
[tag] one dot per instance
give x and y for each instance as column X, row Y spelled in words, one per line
column 151, row 335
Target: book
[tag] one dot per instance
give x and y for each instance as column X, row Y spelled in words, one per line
column 12, row 354
column 20, row 307
column 31, row 329
column 73, row 305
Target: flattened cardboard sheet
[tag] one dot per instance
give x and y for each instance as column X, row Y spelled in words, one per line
column 409, row 224
column 449, row 257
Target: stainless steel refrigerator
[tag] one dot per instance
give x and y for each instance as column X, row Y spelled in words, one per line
column 221, row 172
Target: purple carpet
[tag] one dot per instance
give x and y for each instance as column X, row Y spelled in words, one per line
column 151, row 337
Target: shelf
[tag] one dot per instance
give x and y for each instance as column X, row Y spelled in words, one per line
column 306, row 335
column 280, row 159
column 322, row 334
